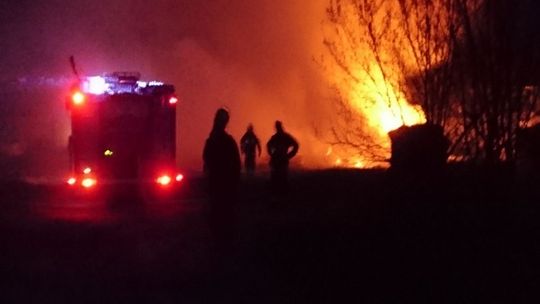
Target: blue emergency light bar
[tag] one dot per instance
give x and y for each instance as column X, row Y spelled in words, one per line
column 118, row 83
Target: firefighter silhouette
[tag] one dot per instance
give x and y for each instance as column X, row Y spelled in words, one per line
column 222, row 170
column 249, row 145
column 281, row 148
column 221, row 158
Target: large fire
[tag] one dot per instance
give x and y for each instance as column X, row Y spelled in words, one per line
column 384, row 108
column 368, row 77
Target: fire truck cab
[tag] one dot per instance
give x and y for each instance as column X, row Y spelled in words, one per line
column 123, row 130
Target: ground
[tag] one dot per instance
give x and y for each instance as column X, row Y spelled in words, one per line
column 464, row 236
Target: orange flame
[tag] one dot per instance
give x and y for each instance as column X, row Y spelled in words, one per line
column 371, row 84
column 384, row 109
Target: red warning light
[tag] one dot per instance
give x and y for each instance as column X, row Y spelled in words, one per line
column 173, row 100
column 88, row 182
column 71, row 181
column 78, row 98
column 179, row 177
column 163, row 180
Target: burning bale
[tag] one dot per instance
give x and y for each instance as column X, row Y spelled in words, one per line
column 419, row 148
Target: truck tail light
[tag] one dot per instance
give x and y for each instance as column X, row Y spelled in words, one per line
column 164, row 180
column 78, row 98
column 173, row 100
column 71, row 181
column 88, row 182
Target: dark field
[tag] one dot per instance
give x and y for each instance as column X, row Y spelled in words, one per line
column 339, row 236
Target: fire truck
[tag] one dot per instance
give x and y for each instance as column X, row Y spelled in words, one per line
column 123, row 130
